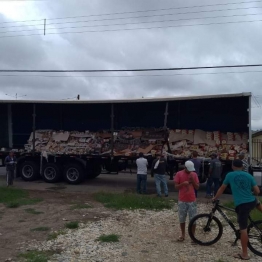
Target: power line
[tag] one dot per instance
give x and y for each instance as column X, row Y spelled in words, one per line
column 138, row 28
column 145, row 16
column 140, row 11
column 128, row 76
column 127, row 70
column 134, row 23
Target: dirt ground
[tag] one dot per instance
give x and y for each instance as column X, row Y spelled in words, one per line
column 16, row 223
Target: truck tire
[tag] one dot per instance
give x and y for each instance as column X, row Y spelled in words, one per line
column 29, row 171
column 73, row 173
column 51, row 173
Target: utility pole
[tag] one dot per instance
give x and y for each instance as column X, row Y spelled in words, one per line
column 16, row 96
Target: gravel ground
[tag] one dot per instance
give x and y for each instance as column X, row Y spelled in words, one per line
column 144, row 236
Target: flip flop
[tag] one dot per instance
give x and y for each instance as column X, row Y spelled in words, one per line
column 239, row 256
column 180, row 239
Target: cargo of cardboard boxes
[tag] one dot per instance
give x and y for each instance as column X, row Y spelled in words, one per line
column 129, row 142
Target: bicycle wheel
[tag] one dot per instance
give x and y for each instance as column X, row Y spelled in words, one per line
column 255, row 237
column 208, row 230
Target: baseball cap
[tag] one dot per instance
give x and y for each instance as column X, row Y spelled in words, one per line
column 237, row 163
column 190, row 166
column 214, row 155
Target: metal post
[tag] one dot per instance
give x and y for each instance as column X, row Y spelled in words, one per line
column 112, row 130
column 34, row 116
column 10, row 126
column 249, row 130
column 178, row 118
column 166, row 114
column 166, row 131
column 44, row 25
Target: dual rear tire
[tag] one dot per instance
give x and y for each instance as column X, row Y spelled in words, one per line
column 72, row 173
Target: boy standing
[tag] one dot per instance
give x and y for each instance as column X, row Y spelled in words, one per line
column 241, row 184
column 186, row 181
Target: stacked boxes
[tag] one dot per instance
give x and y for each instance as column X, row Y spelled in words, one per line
column 131, row 141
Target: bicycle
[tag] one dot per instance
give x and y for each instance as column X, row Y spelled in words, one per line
column 208, row 225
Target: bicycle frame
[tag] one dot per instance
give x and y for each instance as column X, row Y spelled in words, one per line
column 219, row 208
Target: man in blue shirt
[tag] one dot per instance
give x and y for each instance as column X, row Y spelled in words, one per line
column 10, row 163
column 197, row 165
column 215, row 171
column 242, row 184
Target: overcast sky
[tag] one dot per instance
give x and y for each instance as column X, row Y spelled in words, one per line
column 177, row 46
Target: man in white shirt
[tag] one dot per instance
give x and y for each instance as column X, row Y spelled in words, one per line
column 142, row 164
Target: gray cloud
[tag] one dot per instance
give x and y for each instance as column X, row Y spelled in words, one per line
column 166, row 47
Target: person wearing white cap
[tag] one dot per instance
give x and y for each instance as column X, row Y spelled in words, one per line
column 186, row 181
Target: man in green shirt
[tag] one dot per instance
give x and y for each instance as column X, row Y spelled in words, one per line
column 244, row 189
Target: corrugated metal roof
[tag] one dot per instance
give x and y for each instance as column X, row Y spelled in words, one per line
column 153, row 99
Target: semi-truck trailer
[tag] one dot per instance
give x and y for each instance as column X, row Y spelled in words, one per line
column 174, row 124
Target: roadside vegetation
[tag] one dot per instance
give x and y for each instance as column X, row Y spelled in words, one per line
column 40, row 229
column 132, row 201
column 80, row 206
column 109, row 238
column 55, row 234
column 14, row 197
column 36, row 256
column 72, row 225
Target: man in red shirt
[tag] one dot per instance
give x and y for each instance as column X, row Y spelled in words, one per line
column 186, row 181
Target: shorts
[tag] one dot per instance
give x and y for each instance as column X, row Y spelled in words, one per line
column 243, row 211
column 184, row 208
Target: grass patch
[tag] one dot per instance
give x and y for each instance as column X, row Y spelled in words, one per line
column 132, row 201
column 72, row 225
column 109, row 238
column 255, row 214
column 14, row 197
column 36, row 256
column 229, row 204
column 40, row 229
column 55, row 234
column 80, row 206
column 33, row 211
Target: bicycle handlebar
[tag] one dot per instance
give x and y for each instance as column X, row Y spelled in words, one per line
column 215, row 201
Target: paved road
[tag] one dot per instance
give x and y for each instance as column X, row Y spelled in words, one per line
column 123, row 182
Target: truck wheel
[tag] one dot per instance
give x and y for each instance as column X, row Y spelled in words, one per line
column 29, row 171
column 51, row 173
column 73, row 173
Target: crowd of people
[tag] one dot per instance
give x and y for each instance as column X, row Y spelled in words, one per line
column 243, row 186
